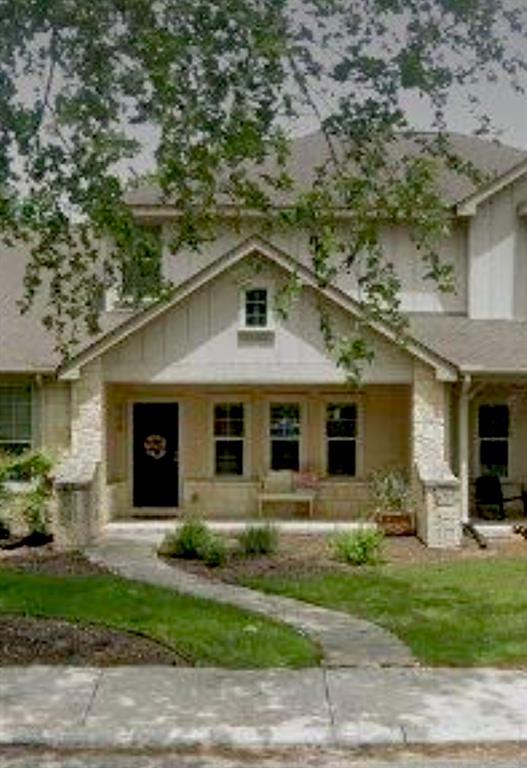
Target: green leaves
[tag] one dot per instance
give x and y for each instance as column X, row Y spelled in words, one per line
column 203, row 96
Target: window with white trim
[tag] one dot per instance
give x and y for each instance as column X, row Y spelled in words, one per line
column 285, row 436
column 493, row 435
column 256, row 308
column 229, row 437
column 15, row 418
column 341, row 439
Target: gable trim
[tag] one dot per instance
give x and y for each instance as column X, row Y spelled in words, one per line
column 468, row 207
column 445, row 369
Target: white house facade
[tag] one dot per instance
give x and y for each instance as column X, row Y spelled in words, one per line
column 194, row 403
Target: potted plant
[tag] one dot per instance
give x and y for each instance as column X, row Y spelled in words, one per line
column 390, row 497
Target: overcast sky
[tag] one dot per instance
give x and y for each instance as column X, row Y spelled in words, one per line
column 507, row 110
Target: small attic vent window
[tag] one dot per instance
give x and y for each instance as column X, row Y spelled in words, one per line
column 256, row 308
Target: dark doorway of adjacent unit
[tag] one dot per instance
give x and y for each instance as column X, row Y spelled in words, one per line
column 155, row 455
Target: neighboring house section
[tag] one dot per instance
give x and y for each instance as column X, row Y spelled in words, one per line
column 194, row 403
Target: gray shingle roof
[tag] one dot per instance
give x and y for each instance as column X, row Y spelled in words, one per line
column 25, row 346
column 309, row 152
column 486, row 346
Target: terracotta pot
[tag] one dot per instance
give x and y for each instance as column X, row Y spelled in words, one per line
column 396, row 524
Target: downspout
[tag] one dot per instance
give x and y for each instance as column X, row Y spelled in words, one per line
column 463, row 445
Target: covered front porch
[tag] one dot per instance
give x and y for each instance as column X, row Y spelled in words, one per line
column 209, row 449
column 162, row 450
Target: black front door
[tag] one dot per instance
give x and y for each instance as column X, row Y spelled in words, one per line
column 155, row 454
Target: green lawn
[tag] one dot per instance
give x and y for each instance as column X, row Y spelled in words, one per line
column 463, row 613
column 203, row 632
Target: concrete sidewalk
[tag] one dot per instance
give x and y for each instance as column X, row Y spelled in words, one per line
column 160, row 707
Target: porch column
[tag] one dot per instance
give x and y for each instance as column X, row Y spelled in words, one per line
column 463, row 432
column 81, row 478
column 436, row 489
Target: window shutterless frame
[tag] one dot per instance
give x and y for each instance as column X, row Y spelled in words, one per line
column 493, row 432
column 341, row 428
column 285, row 432
column 229, row 436
column 256, row 308
column 16, row 417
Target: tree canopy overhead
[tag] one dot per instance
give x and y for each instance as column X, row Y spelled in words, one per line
column 208, row 91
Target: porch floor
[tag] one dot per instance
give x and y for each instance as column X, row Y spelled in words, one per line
column 156, row 529
column 497, row 529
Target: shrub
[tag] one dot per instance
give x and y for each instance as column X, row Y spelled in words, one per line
column 27, row 466
column 29, row 507
column 389, row 491
column 360, row 547
column 215, row 552
column 194, row 541
column 258, row 540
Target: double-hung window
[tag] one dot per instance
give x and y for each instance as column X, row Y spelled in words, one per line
column 285, row 436
column 15, row 418
column 341, row 439
column 493, row 435
column 229, row 437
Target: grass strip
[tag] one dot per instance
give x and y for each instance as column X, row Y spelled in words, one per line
column 464, row 613
column 202, row 631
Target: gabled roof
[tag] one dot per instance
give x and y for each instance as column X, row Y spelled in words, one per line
column 252, row 245
column 309, row 152
column 496, row 347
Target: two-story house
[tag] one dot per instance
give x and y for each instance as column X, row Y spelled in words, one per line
column 192, row 402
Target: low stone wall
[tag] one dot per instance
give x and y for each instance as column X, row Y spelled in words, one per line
column 438, row 509
column 75, row 513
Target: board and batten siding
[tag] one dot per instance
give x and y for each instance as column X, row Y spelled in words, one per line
column 417, row 293
column 201, row 341
column 498, row 257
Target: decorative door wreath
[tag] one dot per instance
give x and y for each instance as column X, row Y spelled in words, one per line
column 155, row 446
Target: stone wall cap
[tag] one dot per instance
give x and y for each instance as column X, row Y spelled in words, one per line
column 75, row 473
column 437, row 481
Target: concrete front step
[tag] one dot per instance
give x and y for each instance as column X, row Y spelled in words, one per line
column 498, row 529
column 154, row 530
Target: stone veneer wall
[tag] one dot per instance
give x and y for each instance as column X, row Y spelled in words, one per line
column 81, row 506
column 436, row 489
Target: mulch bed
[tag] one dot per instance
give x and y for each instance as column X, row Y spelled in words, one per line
column 28, row 640
column 303, row 555
column 46, row 561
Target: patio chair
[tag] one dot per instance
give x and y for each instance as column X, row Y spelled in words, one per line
column 490, row 502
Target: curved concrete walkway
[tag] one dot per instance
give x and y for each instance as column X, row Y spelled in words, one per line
column 345, row 641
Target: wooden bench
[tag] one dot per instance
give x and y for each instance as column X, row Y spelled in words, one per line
column 296, row 497
column 279, row 487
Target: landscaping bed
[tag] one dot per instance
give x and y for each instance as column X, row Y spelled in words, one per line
column 61, row 609
column 302, row 555
column 37, row 640
column 452, row 608
column 29, row 640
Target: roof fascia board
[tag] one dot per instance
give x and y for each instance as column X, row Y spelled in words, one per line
column 163, row 212
column 445, row 370
column 468, row 207
column 475, row 370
